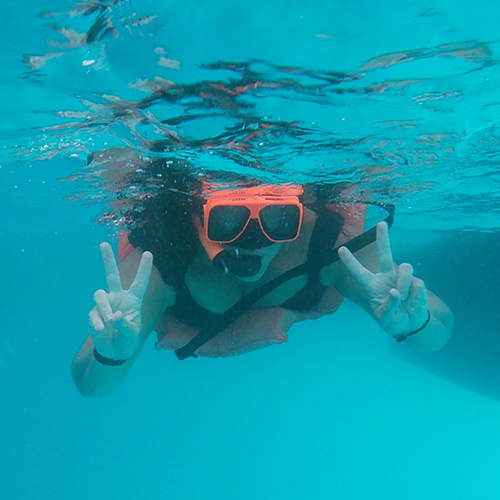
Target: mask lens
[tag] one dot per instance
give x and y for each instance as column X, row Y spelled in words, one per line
column 225, row 223
column 280, row 222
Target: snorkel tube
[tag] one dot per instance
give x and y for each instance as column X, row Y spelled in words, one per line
column 242, row 265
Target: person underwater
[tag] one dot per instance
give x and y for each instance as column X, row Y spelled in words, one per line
column 233, row 270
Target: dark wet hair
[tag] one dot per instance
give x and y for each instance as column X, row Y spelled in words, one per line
column 164, row 224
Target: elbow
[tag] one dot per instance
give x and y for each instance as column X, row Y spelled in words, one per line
column 91, row 392
column 88, row 391
column 85, row 386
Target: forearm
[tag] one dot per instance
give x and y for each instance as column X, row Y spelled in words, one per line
column 95, row 379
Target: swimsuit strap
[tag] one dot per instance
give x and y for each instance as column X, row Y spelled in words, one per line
column 251, row 298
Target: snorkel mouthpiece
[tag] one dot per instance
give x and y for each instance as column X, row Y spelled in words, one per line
column 244, row 266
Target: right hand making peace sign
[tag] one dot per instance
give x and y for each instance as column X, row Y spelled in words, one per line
column 115, row 321
column 396, row 299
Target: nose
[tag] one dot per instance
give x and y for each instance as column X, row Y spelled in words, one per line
column 252, row 237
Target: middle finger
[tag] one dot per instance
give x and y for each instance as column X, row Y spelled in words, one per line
column 141, row 281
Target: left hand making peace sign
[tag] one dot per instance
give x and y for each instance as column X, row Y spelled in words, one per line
column 397, row 300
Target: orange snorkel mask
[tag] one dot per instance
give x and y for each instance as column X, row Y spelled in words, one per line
column 249, row 218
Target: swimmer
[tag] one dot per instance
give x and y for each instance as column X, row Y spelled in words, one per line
column 231, row 272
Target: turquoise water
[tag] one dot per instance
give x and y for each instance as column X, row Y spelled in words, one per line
column 399, row 99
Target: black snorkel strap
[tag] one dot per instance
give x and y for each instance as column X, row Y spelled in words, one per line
column 254, row 296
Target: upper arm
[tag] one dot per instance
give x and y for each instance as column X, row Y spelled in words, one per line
column 158, row 297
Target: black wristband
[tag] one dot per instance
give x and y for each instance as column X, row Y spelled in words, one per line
column 400, row 338
column 108, row 361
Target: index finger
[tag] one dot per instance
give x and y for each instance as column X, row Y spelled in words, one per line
column 384, row 248
column 362, row 275
column 110, row 268
column 141, row 280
